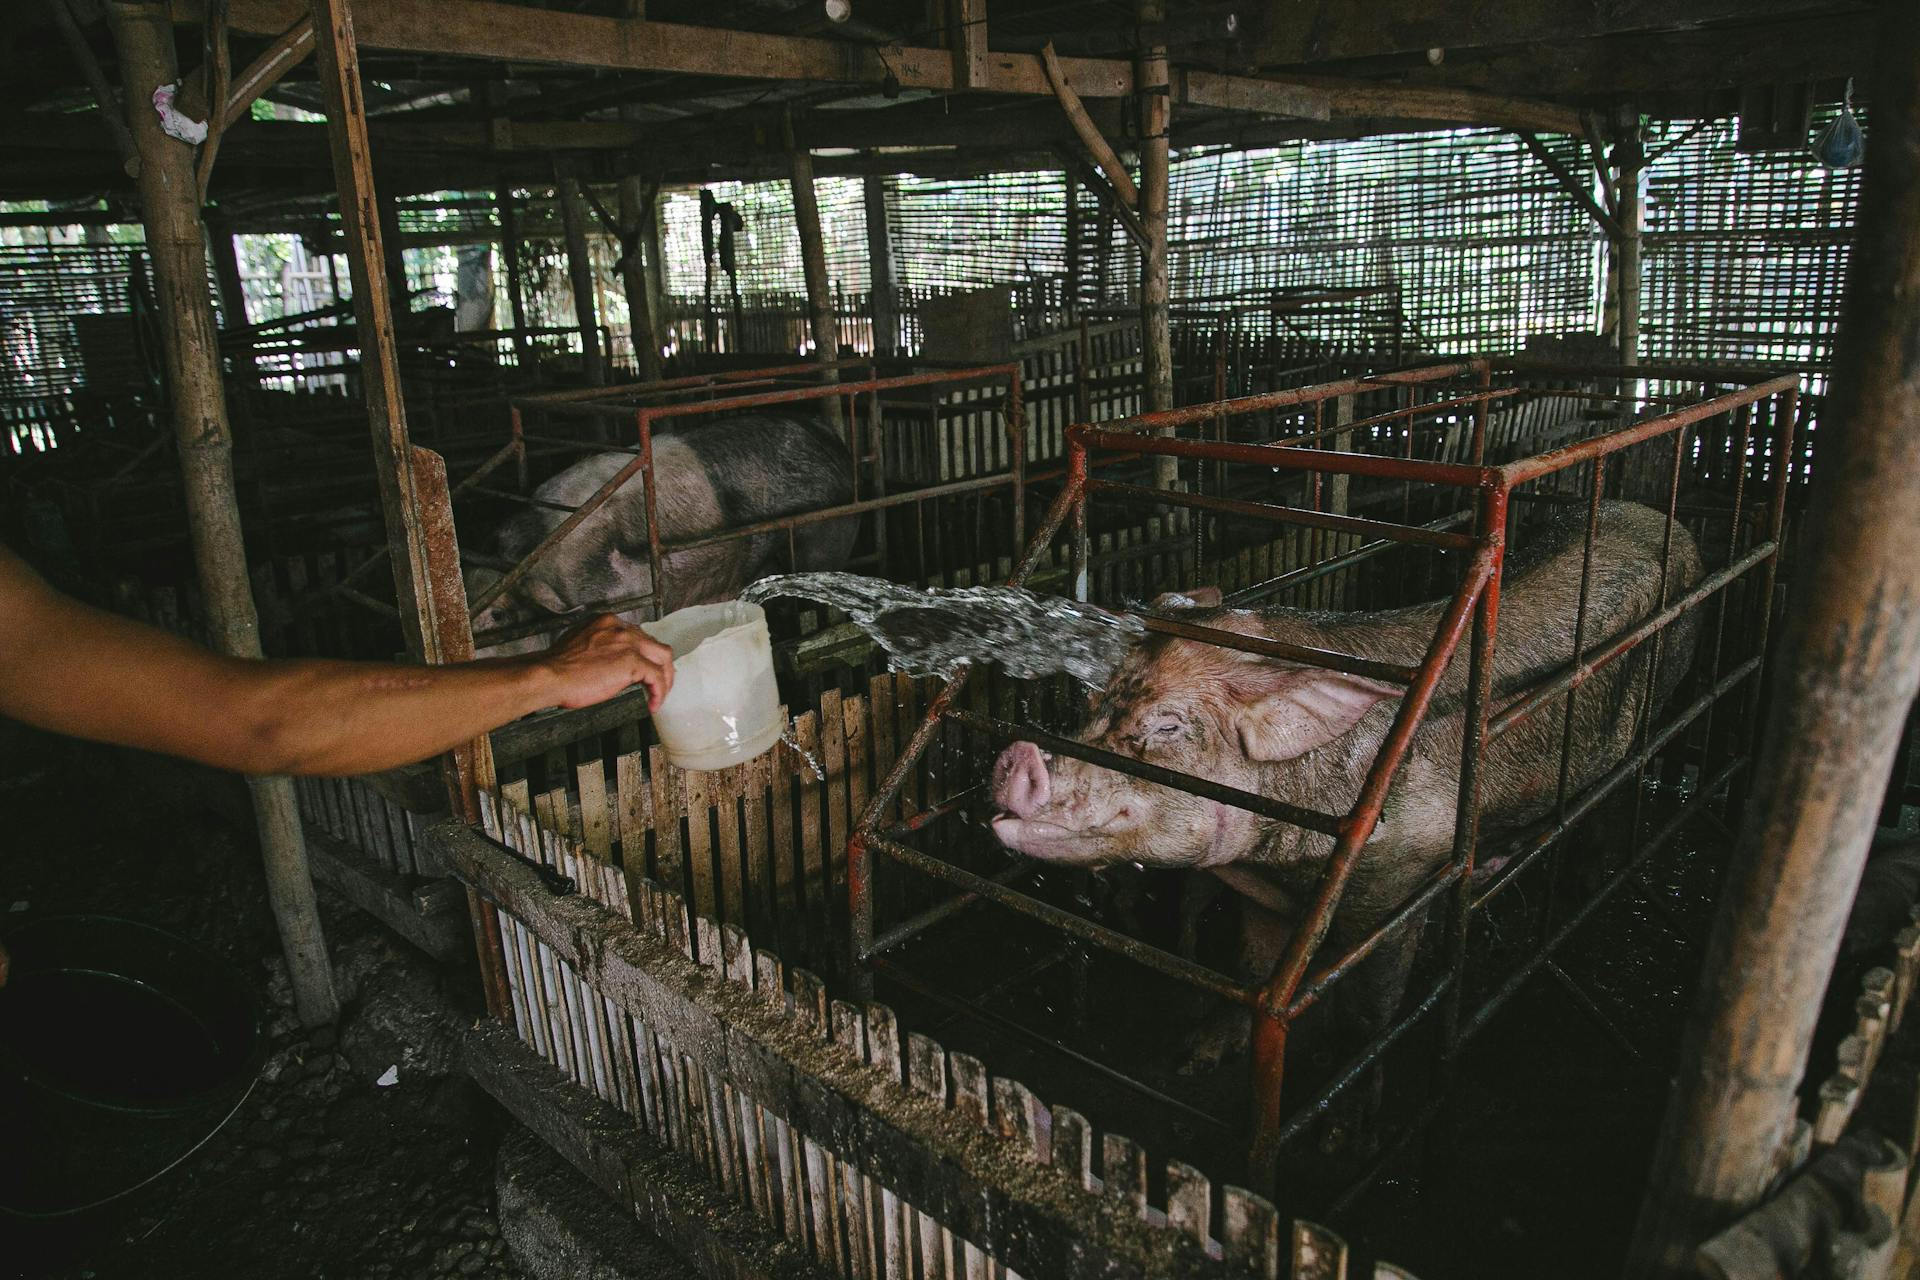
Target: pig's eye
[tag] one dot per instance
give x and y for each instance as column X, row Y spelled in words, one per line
column 1165, row 724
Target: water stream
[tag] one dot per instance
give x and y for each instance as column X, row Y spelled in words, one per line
column 936, row 631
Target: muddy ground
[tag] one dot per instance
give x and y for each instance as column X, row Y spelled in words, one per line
column 320, row 1171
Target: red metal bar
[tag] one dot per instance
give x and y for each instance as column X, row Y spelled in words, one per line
column 1331, row 659
column 1413, row 534
column 1286, row 458
column 1525, row 469
column 1271, row 1023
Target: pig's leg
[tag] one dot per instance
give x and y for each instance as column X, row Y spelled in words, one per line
column 1263, row 937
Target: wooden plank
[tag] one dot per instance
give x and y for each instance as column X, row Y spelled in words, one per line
column 790, row 927
column 821, row 861
column 702, row 896
column 669, row 864
column 811, row 855
column 1036, row 1223
column 1250, row 1232
column 633, row 809
column 859, row 752
column 717, row 1237
column 596, row 820
column 755, row 778
column 1189, row 1201
column 724, row 787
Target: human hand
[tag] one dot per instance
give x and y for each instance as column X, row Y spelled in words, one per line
column 604, row 656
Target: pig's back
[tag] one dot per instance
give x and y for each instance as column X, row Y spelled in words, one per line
column 1539, row 599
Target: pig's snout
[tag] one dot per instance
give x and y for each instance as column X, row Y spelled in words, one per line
column 1020, row 782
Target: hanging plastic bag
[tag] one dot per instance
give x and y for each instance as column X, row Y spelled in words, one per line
column 1840, row 144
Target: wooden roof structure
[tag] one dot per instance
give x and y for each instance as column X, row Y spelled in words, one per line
column 470, row 93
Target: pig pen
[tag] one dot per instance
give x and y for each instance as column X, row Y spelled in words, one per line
column 679, row 945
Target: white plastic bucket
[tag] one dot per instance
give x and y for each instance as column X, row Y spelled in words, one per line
column 724, row 707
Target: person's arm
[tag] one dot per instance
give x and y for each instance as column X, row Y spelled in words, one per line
column 77, row 670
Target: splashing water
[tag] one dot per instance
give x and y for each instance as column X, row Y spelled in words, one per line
column 812, row 761
column 935, row 632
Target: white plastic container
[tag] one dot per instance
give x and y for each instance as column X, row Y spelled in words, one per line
column 724, row 707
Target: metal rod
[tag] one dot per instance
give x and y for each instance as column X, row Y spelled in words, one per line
column 1331, row 659
column 1415, row 535
column 1280, row 811
column 1602, row 654
column 914, row 926
column 1526, row 469
column 1600, row 790
column 1141, row 953
column 895, row 973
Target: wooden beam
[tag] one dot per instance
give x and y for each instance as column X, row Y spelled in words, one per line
column 1571, row 185
column 634, row 210
column 1089, row 134
column 1156, row 337
column 1035, row 1219
column 813, row 263
column 1659, row 65
column 1329, row 30
column 884, row 282
column 338, row 64
column 1844, row 677
column 573, row 217
column 661, row 1188
column 1629, row 158
column 97, row 85
column 970, row 44
column 1367, row 100
column 510, row 258
column 170, row 205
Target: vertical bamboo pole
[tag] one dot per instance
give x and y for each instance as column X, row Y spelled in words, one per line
column 394, row 260
column 886, row 301
column 1156, row 339
column 813, row 259
column 633, row 276
column 169, row 198
column 1847, row 667
column 1629, row 157
column 233, row 294
column 1074, row 267
column 573, row 216
column 510, row 259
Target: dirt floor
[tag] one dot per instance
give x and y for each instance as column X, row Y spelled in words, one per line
column 320, row 1171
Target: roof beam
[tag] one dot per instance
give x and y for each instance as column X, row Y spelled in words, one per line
column 1304, row 31
column 492, row 30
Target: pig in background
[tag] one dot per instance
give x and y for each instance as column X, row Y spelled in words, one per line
column 1307, row 736
column 720, row 474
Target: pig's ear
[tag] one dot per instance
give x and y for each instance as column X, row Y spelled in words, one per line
column 1302, row 710
column 1196, row 598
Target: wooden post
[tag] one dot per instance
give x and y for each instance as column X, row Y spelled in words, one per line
column 813, row 259
column 394, row 260
column 573, row 217
column 885, row 300
column 337, row 63
column 656, row 263
column 1629, row 157
column 633, row 275
column 169, row 198
column 233, row 294
column 510, row 258
column 1074, row 267
column 1156, row 339
column 1846, row 672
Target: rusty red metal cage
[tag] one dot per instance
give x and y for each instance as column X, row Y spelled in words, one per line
column 1752, row 437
